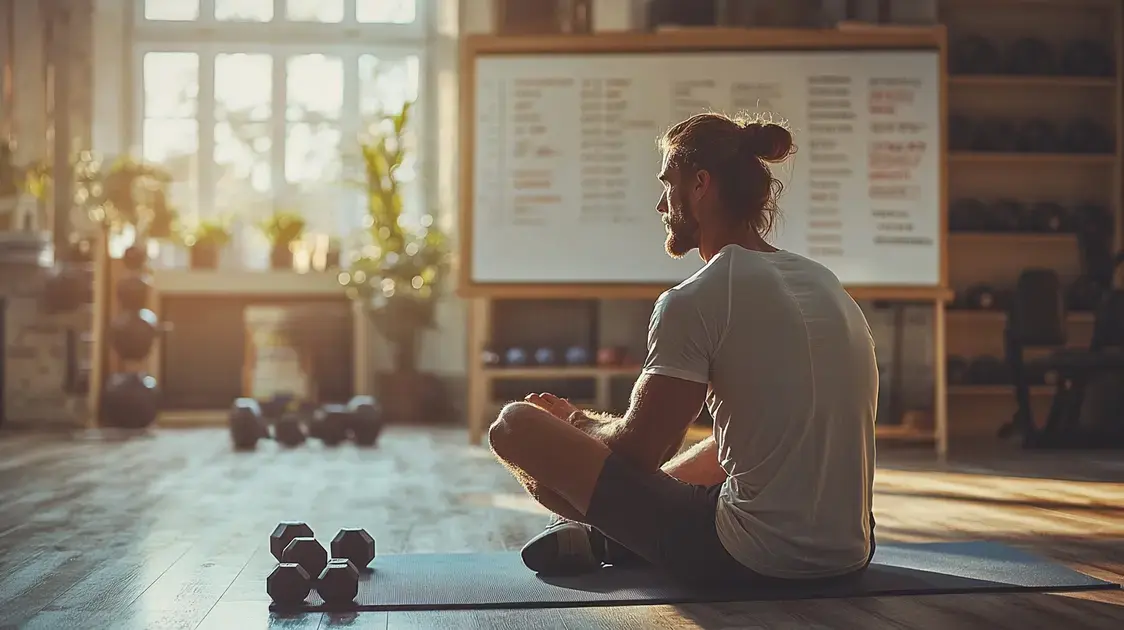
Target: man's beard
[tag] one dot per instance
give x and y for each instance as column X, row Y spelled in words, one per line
column 682, row 234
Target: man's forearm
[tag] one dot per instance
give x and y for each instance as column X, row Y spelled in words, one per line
column 612, row 431
column 697, row 465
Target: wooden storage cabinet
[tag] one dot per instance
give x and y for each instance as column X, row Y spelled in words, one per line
column 996, row 258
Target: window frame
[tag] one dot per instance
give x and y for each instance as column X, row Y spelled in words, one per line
column 208, row 39
column 206, row 27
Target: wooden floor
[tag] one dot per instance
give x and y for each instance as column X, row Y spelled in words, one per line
column 170, row 531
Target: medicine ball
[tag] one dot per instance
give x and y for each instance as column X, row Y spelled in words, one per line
column 973, row 54
column 1030, row 55
column 966, row 215
column 1086, row 58
column 516, row 356
column 961, row 133
column 994, row 135
column 1048, row 217
column 133, row 292
column 1038, row 136
column 130, row 400
column 133, row 333
column 1085, row 136
column 1004, row 215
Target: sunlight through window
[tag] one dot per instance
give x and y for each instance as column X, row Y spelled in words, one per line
column 171, row 10
column 329, row 11
column 244, row 10
column 265, row 149
column 386, row 11
column 169, row 131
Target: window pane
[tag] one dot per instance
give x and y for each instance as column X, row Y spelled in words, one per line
column 315, row 87
column 244, row 10
column 243, row 87
column 315, row 10
column 171, row 10
column 386, row 11
column 243, row 177
column 171, row 85
column 385, row 84
column 174, row 144
column 312, row 168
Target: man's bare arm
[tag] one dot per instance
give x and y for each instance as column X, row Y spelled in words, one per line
column 661, row 409
column 697, row 465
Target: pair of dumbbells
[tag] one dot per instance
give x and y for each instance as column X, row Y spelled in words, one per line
column 304, row 565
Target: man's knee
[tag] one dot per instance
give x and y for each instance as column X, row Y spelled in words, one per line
column 513, row 421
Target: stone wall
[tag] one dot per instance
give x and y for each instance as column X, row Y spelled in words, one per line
column 35, row 352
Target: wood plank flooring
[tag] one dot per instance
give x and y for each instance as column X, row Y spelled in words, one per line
column 169, row 531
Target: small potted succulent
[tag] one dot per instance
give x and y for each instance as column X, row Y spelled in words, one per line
column 282, row 229
column 205, row 242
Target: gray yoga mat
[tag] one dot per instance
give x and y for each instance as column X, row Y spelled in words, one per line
column 499, row 580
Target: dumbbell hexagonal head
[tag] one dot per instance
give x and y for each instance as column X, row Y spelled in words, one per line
column 288, row 584
column 284, row 534
column 308, row 553
column 355, row 545
column 339, row 582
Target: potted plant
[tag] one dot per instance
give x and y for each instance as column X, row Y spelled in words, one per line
column 205, row 242
column 403, row 264
column 282, row 229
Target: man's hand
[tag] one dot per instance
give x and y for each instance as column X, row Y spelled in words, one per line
column 558, row 407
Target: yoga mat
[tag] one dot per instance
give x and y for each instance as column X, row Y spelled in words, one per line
column 499, row 580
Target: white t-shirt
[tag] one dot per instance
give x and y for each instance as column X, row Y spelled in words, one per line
column 790, row 361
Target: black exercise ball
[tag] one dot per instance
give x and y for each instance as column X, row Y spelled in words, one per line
column 130, row 400
column 135, row 258
column 133, row 292
column 133, row 333
column 67, row 288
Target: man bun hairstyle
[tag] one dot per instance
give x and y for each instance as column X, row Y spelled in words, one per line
column 768, row 141
column 736, row 152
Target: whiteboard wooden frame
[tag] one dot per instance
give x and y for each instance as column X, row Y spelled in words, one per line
column 692, row 40
column 687, row 40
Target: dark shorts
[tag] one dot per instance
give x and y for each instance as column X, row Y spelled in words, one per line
column 670, row 524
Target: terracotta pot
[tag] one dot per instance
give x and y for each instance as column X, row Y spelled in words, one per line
column 204, row 256
column 281, row 257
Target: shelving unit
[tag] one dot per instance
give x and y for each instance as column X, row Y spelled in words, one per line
column 1068, row 179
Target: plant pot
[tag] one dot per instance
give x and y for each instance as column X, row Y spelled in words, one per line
column 281, row 258
column 204, row 256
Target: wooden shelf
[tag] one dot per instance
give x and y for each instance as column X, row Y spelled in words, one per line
column 969, row 315
column 548, row 372
column 1074, row 159
column 1031, row 81
column 1015, row 238
column 996, row 390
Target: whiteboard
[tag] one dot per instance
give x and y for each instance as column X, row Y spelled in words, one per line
column 565, row 161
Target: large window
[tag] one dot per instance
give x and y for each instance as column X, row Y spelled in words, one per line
column 259, row 105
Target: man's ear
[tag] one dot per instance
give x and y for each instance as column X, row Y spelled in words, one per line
column 701, row 184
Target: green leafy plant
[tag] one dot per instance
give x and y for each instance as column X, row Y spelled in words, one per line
column 214, row 232
column 403, row 262
column 283, row 227
column 123, row 192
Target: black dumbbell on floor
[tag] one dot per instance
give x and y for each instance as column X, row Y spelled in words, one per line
column 300, row 556
column 248, row 424
column 361, row 420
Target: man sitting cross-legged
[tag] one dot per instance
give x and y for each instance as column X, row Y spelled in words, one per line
column 784, row 360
